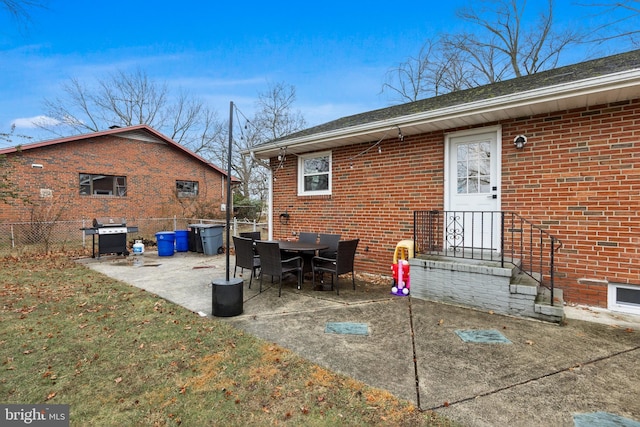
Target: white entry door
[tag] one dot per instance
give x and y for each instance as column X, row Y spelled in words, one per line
column 472, row 190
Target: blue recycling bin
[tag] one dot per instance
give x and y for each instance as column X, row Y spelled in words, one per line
column 182, row 240
column 166, row 242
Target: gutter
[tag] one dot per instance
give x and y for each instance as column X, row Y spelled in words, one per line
column 595, row 85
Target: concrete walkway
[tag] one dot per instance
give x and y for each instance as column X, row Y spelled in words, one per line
column 545, row 374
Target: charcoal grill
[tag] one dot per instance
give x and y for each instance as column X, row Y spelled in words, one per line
column 112, row 236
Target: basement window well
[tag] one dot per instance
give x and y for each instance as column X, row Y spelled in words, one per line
column 624, row 298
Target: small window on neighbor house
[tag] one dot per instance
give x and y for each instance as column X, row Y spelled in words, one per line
column 187, row 188
column 314, row 174
column 103, row 185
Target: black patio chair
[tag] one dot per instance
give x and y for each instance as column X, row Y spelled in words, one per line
column 253, row 235
column 307, row 237
column 331, row 240
column 245, row 257
column 272, row 264
column 341, row 264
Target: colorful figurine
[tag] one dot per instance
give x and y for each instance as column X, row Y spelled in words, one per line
column 401, row 280
column 404, row 251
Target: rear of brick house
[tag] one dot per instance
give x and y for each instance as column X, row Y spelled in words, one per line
column 133, row 172
column 577, row 177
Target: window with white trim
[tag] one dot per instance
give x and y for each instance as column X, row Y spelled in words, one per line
column 624, row 298
column 314, row 174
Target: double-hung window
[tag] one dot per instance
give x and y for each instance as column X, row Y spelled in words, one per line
column 314, row 174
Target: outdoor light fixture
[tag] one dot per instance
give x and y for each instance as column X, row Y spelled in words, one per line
column 400, row 135
column 520, row 141
column 284, row 218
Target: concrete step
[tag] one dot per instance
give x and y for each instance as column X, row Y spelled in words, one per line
column 544, row 296
column 523, row 284
column 543, row 304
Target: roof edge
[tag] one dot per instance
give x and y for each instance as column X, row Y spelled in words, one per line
column 115, row 131
column 611, row 81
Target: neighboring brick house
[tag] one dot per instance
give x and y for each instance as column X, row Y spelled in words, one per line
column 130, row 172
column 577, row 175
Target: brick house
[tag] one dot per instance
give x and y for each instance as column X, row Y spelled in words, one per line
column 560, row 149
column 131, row 172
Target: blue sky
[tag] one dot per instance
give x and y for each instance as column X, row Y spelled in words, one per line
column 335, row 53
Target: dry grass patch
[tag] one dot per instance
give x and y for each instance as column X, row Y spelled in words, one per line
column 121, row 356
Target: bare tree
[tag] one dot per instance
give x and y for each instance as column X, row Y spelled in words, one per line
column 414, row 77
column 274, row 118
column 501, row 42
column 126, row 99
column 11, row 136
column 625, row 26
column 507, row 44
column 437, row 69
column 19, row 9
column 9, row 188
column 45, row 213
column 275, row 114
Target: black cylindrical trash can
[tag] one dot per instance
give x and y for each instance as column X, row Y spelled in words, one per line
column 194, row 240
column 226, row 297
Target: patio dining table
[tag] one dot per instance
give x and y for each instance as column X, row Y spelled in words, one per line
column 296, row 246
column 303, row 248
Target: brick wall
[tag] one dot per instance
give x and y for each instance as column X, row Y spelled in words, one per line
column 151, row 169
column 578, row 176
column 373, row 198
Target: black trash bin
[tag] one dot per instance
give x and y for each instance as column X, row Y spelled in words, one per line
column 194, row 240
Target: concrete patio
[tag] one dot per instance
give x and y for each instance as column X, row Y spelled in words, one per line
column 544, row 374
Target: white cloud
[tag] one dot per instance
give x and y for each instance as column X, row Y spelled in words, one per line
column 34, row 122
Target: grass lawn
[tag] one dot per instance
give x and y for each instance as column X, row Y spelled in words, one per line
column 121, row 356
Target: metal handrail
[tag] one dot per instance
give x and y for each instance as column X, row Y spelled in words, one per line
column 504, row 237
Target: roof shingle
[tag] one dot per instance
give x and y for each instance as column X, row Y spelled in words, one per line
column 567, row 74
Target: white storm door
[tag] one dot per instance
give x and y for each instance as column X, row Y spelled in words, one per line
column 472, row 193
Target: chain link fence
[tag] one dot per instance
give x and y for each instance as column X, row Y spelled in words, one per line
column 67, row 236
